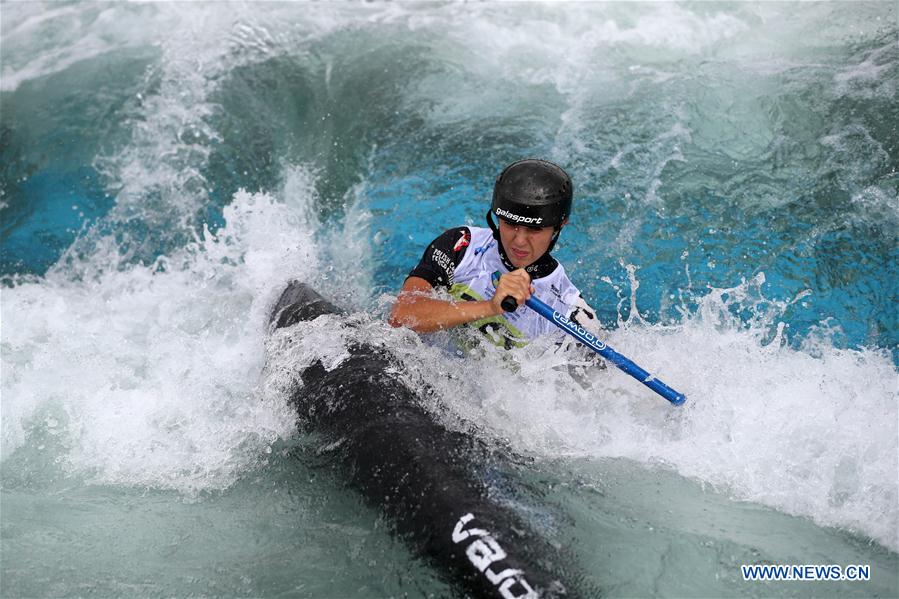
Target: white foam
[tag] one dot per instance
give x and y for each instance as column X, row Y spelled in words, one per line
column 867, row 79
column 810, row 431
column 43, row 38
column 155, row 367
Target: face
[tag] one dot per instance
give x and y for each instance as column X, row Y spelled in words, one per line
column 524, row 245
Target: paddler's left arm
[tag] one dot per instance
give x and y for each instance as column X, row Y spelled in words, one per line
column 580, row 360
column 585, row 316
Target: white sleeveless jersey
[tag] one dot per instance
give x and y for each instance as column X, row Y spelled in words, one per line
column 463, row 261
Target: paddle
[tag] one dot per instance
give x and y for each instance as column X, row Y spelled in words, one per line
column 509, row 304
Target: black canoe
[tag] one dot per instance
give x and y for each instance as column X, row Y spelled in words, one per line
column 422, row 477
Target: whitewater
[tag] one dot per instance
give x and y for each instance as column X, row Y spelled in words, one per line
column 168, row 168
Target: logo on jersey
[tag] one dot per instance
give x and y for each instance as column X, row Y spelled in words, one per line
column 525, row 220
column 483, row 551
column 484, row 248
column 463, row 241
column 444, row 262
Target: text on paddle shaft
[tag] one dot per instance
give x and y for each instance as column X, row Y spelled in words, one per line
column 482, row 552
column 587, row 337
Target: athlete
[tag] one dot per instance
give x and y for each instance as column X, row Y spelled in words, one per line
column 532, row 203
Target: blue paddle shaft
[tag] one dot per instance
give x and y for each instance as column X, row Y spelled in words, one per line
column 599, row 347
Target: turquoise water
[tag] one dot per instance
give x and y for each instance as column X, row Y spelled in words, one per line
column 167, row 168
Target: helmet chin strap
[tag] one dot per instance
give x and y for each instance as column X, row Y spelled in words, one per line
column 502, row 250
column 552, row 242
column 493, row 226
column 499, row 242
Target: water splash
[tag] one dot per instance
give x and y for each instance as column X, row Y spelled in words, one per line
column 801, row 430
column 156, row 387
column 144, row 374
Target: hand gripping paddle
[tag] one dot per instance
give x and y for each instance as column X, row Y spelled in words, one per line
column 509, row 304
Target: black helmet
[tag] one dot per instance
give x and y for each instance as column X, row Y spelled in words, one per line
column 533, row 193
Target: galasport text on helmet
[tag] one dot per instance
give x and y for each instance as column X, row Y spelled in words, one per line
column 533, row 193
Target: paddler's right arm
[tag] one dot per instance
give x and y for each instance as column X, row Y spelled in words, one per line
column 417, row 308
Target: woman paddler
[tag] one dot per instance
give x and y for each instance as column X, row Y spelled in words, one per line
column 532, row 202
